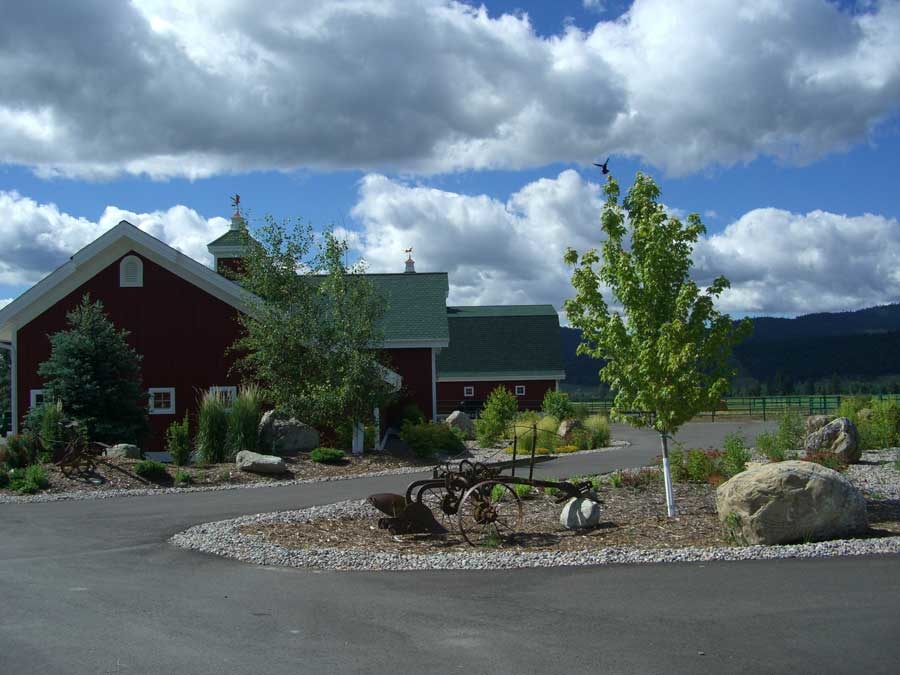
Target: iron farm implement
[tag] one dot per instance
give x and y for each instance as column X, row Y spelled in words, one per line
column 480, row 499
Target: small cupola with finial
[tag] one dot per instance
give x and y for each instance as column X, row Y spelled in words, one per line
column 229, row 249
column 410, row 263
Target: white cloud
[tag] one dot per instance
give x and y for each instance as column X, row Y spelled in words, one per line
column 37, row 238
column 4, row 302
column 598, row 6
column 168, row 88
column 507, row 253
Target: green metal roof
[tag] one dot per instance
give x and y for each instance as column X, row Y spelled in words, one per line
column 230, row 238
column 417, row 305
column 493, row 340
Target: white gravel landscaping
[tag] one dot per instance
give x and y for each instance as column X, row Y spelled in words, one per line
column 878, row 481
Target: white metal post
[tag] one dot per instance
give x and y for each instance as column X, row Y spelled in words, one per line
column 667, row 476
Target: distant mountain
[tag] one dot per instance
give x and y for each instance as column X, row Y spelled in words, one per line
column 864, row 344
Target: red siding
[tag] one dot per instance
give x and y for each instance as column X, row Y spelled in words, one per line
column 449, row 394
column 181, row 331
column 414, row 366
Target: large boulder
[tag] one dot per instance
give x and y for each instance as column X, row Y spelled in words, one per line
column 282, row 434
column 580, row 513
column 789, row 502
column 816, row 422
column 124, row 451
column 838, row 436
column 566, row 427
column 459, row 420
column 257, row 463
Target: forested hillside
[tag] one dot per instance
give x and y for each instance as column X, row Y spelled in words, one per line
column 844, row 352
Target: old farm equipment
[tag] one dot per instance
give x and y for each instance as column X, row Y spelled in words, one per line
column 479, row 499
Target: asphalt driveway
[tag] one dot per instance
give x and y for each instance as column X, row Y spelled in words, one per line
column 93, row 587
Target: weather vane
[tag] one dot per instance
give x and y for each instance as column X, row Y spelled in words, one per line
column 408, row 252
column 603, row 168
column 236, row 203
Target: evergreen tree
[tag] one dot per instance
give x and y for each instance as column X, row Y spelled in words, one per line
column 667, row 350
column 96, row 375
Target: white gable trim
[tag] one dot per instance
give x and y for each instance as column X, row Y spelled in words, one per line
column 101, row 253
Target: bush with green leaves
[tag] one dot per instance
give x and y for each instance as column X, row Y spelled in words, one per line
column 181, row 478
column 44, row 426
column 880, row 428
column 428, row 439
column 243, row 421
column 17, row 453
column 178, row 441
column 29, row 480
column 785, row 441
column 212, row 428
column 557, row 403
column 499, row 411
column 325, row 455
column 151, row 470
column 736, row 455
column 97, row 375
column 851, row 405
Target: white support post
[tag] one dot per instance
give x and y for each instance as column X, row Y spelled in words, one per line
column 359, row 435
column 667, row 476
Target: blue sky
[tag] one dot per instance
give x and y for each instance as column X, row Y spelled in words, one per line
column 467, row 132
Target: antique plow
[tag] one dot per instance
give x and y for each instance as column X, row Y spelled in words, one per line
column 478, row 498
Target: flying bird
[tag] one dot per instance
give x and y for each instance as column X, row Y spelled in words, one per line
column 603, row 169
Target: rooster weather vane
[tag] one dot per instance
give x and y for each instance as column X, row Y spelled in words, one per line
column 603, row 168
column 236, row 203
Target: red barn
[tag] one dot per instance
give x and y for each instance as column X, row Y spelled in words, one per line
column 182, row 318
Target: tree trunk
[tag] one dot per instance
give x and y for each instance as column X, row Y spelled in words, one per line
column 667, row 475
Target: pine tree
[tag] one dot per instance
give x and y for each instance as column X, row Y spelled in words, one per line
column 96, row 375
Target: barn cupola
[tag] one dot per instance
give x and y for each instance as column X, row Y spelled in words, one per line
column 410, row 263
column 228, row 250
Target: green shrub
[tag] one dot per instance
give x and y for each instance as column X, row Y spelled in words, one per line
column 547, row 427
column 4, row 477
column 701, row 464
column 851, row 405
column 178, row 441
column 523, row 491
column 639, row 479
column 18, row 452
column 582, row 439
column 243, row 421
column 598, row 425
column 615, row 479
column 212, row 428
column 327, row 455
column 557, row 403
column 425, row 440
column 412, row 414
column 499, row 411
column 784, row 442
column 149, row 469
column 28, row 480
column 736, row 455
column 182, row 478
column 881, row 428
column 767, row 444
column 677, row 465
column 522, row 429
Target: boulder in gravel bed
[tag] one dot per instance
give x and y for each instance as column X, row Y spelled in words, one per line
column 282, row 434
column 816, row 422
column 256, row 463
column 838, row 436
column 459, row 420
column 580, row 513
column 789, row 502
column 124, row 451
column 568, row 426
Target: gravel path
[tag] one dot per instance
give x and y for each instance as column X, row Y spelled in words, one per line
column 875, row 476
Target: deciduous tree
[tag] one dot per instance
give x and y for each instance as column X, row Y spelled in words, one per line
column 665, row 345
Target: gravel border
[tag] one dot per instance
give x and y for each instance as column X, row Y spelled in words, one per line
column 223, row 538
column 84, row 495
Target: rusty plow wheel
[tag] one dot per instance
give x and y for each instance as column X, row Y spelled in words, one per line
column 440, row 502
column 489, row 512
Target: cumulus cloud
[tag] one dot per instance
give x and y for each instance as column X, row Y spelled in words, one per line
column 37, row 238
column 511, row 252
column 167, row 88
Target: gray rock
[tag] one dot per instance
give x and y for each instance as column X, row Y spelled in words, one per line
column 579, row 513
column 124, row 451
column 282, row 434
column 816, row 422
column 788, row 502
column 568, row 426
column 838, row 436
column 459, row 420
column 256, row 463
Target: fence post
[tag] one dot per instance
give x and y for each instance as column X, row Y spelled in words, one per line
column 764, row 408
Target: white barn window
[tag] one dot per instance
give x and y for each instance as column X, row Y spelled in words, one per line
column 36, row 397
column 520, row 390
column 468, row 391
column 161, row 400
column 131, row 272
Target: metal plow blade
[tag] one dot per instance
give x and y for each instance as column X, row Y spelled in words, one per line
column 404, row 518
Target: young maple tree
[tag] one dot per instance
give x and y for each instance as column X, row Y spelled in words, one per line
column 667, row 348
